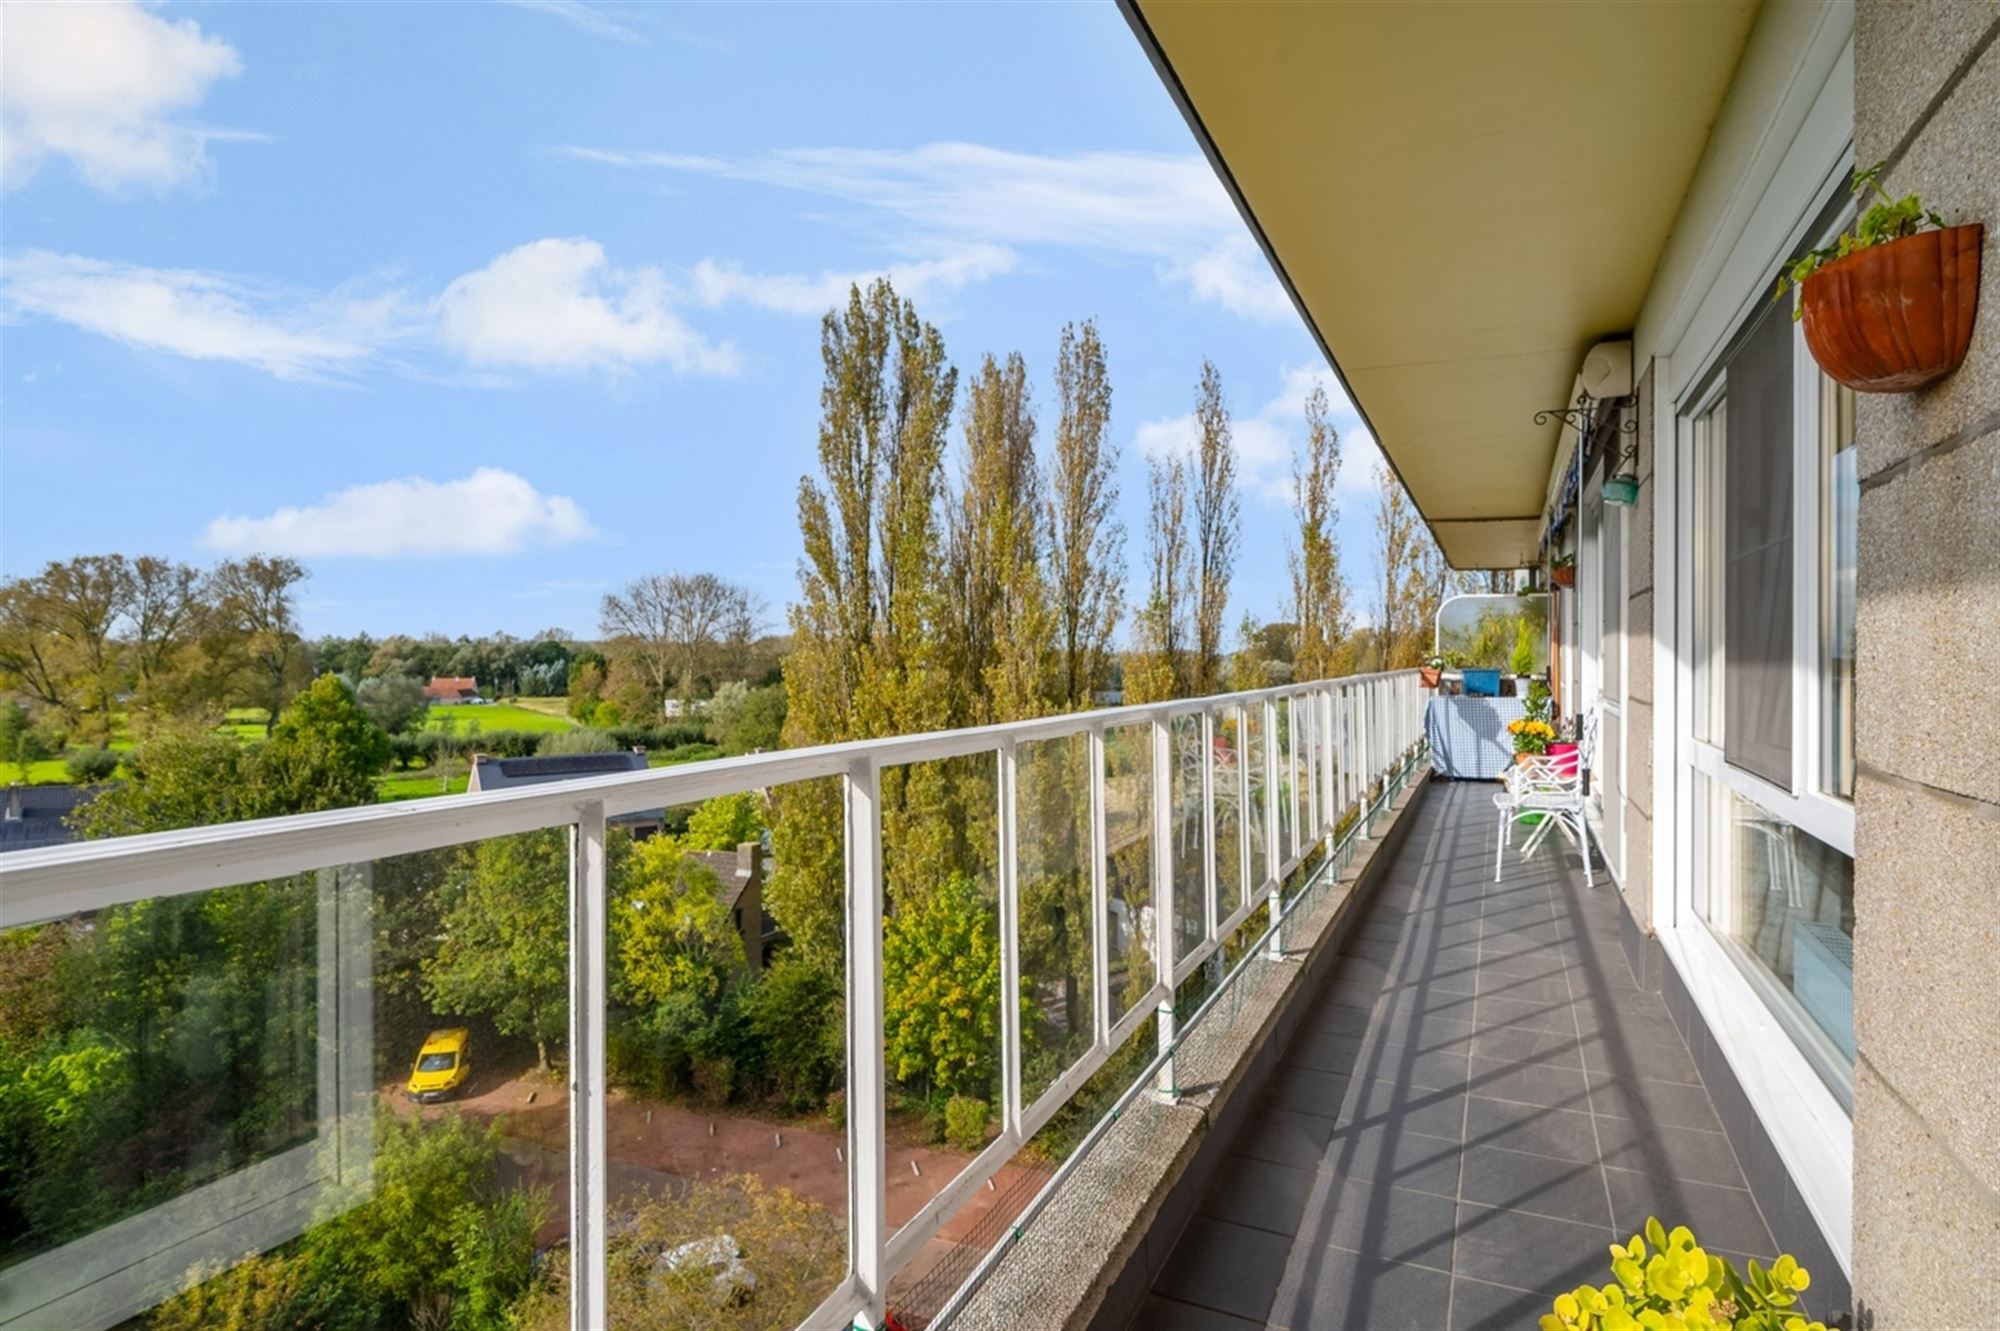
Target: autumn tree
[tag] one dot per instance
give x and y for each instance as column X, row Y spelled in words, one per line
column 999, row 606
column 1086, row 540
column 256, row 597
column 678, row 626
column 1158, row 667
column 1218, row 529
column 671, row 930
column 941, row 999
column 867, row 655
column 169, row 612
column 1398, row 538
column 1319, row 593
column 503, row 949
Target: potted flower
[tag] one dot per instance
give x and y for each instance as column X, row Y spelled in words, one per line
column 1563, row 571
column 1532, row 737
column 1522, row 660
column 1664, row 1278
column 1888, row 307
column 1431, row 671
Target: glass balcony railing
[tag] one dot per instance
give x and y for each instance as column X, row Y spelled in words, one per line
column 270, row 1053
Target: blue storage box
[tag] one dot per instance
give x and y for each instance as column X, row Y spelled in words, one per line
column 1482, row 683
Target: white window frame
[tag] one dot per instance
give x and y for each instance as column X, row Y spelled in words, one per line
column 1811, row 1129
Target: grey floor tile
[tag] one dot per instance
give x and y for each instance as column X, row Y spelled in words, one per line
column 1383, row 1153
column 1650, row 1102
column 1720, row 1217
column 1354, row 990
column 1478, row 1306
column 1661, row 1062
column 1230, row 1268
column 1500, row 1013
column 1257, row 1193
column 1374, row 949
column 1345, row 1289
column 1421, row 1027
column 1323, row 1052
column 1562, row 1134
column 1158, row 1314
column 1547, row 989
column 1528, row 1251
column 1397, row 1224
column 1684, row 1153
column 1412, row 1065
column 1435, row 1113
column 1330, row 1018
column 1529, row 1083
column 1565, row 1189
column 1307, row 1090
column 1521, row 1044
column 1285, row 1137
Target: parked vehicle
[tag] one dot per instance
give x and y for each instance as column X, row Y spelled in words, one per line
column 442, row 1066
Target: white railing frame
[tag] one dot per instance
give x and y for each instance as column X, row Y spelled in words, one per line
column 1341, row 737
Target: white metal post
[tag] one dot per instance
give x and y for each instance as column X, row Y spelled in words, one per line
column 1165, row 944
column 1272, row 863
column 1245, row 888
column 1329, row 783
column 1010, row 941
column 588, row 1305
column 1100, row 903
column 867, row 1090
column 1211, row 906
column 1363, row 738
column 1309, row 763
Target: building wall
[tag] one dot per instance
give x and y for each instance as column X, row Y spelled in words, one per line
column 1927, row 840
column 1638, row 672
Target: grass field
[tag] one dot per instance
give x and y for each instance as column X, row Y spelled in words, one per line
column 496, row 716
column 416, row 786
column 46, row 773
column 557, row 706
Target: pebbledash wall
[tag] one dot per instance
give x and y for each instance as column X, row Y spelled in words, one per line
column 1901, row 1191
column 1927, row 880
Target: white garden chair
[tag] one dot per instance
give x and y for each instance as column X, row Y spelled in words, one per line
column 1553, row 788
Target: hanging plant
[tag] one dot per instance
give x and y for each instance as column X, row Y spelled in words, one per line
column 1888, row 307
column 1563, row 571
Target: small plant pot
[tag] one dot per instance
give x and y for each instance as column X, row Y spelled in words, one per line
column 1563, row 575
column 1522, row 759
column 1897, row 317
column 1428, row 676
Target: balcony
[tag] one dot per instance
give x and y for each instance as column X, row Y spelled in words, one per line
column 238, row 1082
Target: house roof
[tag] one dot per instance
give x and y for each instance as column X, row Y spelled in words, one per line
column 452, row 684
column 1461, row 199
column 505, row 773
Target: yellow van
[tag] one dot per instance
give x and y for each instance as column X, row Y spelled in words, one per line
column 443, row 1064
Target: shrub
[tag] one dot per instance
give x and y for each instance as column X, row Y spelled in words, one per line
column 657, row 737
column 797, row 1018
column 714, row 1078
column 585, row 740
column 406, row 751
column 1682, row 1285
column 509, row 743
column 965, row 1122
column 86, row 766
column 836, row 1110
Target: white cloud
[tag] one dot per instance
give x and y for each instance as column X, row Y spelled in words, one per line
column 584, row 17
column 101, row 85
column 1267, row 439
column 491, row 512
column 200, row 315
column 714, row 283
column 1166, row 207
column 559, row 305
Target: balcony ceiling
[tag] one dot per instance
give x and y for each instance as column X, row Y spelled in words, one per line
column 1462, row 199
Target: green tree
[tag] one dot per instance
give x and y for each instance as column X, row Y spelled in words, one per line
column 504, row 952
column 1086, row 540
column 725, row 822
column 183, row 776
column 1398, row 532
column 15, row 733
column 394, row 702
column 1218, row 529
column 671, row 930
column 742, row 719
column 324, row 753
column 1319, row 594
column 941, row 997
column 676, row 627
column 867, row 654
column 1000, row 617
column 797, row 1014
column 1158, row 667
column 257, row 597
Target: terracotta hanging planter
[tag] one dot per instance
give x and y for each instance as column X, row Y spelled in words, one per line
column 1897, row 317
column 1428, row 676
column 1563, row 575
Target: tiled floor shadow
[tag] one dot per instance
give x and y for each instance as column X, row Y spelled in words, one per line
column 1477, row 1103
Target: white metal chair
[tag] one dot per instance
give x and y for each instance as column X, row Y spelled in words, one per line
column 1553, row 788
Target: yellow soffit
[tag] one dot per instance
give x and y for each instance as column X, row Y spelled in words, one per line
column 1462, row 198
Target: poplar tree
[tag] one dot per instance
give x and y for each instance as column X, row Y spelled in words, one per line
column 1397, row 533
column 1087, row 542
column 1218, row 528
column 1319, row 594
column 1001, row 615
column 1159, row 665
column 867, row 658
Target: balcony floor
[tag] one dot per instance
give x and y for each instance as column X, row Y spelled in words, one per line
column 1479, row 1101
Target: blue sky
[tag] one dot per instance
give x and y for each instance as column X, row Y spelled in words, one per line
column 480, row 310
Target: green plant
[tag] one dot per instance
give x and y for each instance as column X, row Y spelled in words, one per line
column 1522, row 662
column 1885, row 220
column 965, row 1122
column 1681, row 1287
column 87, row 766
column 1537, row 705
column 1563, row 561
